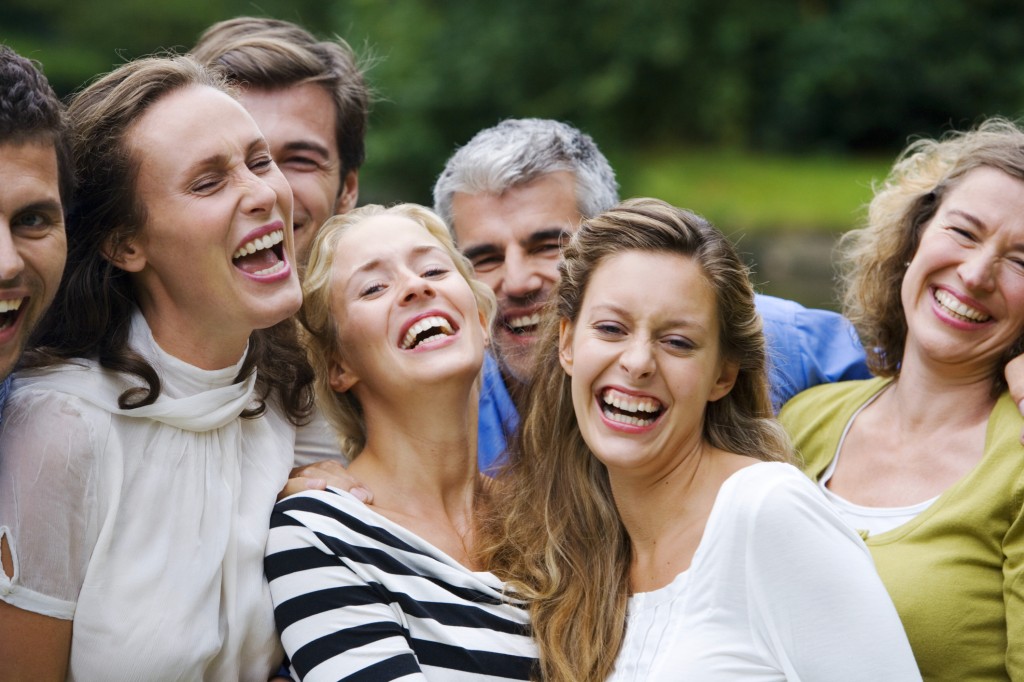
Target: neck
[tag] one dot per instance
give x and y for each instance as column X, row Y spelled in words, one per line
column 931, row 398
column 209, row 353
column 421, row 447
column 651, row 505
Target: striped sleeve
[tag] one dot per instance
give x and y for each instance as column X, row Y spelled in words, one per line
column 355, row 600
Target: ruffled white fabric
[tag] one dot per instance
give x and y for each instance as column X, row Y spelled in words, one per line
column 146, row 526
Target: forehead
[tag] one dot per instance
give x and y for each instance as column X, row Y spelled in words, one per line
column 544, row 203
column 28, row 172
column 207, row 119
column 986, row 190
column 653, row 284
column 383, row 238
column 300, row 113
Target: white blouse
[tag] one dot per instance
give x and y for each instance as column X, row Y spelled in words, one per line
column 779, row 589
column 147, row 526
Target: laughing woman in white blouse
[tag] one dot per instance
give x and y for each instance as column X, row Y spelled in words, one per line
column 144, row 447
column 650, row 517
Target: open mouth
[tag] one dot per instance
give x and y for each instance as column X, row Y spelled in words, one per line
column 630, row 409
column 954, row 308
column 261, row 256
column 9, row 311
column 522, row 325
column 426, row 331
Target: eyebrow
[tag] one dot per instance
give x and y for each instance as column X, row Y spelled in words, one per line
column 42, row 206
column 622, row 312
column 979, row 224
column 215, row 160
column 533, row 238
column 375, row 263
column 969, row 217
column 307, row 146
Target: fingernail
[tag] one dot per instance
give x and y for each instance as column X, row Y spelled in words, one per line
column 315, row 484
column 361, row 494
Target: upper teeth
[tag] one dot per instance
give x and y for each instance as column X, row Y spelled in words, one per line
column 524, row 321
column 630, row 403
column 7, row 305
column 264, row 242
column 444, row 329
column 951, row 303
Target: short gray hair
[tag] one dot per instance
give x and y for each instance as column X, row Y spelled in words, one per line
column 517, row 151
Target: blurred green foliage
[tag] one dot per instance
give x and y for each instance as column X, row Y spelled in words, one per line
column 650, row 80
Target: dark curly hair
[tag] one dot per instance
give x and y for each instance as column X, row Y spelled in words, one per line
column 31, row 112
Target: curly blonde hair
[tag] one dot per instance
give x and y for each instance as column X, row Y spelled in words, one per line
column 320, row 330
column 554, row 532
column 874, row 259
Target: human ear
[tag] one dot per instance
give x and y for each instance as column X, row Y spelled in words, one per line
column 729, row 370
column 349, row 193
column 123, row 252
column 340, row 377
column 565, row 334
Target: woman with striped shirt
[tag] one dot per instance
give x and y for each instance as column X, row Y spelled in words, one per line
column 396, row 331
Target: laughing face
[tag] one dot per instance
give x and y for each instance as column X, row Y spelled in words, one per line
column 406, row 318
column 214, row 259
column 298, row 122
column 33, row 245
column 645, row 360
column 513, row 240
column 963, row 293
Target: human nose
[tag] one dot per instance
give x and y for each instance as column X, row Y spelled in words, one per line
column 259, row 196
column 520, row 278
column 978, row 271
column 11, row 262
column 416, row 287
column 637, row 359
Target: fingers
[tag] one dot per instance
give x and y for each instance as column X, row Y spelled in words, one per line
column 319, row 475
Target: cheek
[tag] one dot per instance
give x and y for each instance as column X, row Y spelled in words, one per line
column 549, row 271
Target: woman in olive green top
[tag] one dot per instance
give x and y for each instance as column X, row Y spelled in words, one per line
column 926, row 460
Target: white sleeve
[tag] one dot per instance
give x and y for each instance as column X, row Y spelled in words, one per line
column 816, row 599
column 48, row 503
column 316, row 441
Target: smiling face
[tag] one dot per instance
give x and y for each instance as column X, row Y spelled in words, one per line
column 33, row 245
column 513, row 239
column 405, row 316
column 963, row 293
column 214, row 259
column 298, row 122
column 644, row 360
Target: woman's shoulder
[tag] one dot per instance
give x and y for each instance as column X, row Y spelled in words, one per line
column 772, row 508
column 773, row 494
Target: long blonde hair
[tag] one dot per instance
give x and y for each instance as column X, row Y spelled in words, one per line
column 555, row 534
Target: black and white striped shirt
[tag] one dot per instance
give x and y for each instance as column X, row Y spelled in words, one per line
column 358, row 597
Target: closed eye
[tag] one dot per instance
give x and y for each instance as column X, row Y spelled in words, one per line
column 261, row 164
column 963, row 233
column 680, row 343
column 610, row 329
column 372, row 289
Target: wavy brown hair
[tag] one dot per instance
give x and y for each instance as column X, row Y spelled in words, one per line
column 91, row 314
column 555, row 534
column 874, row 259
